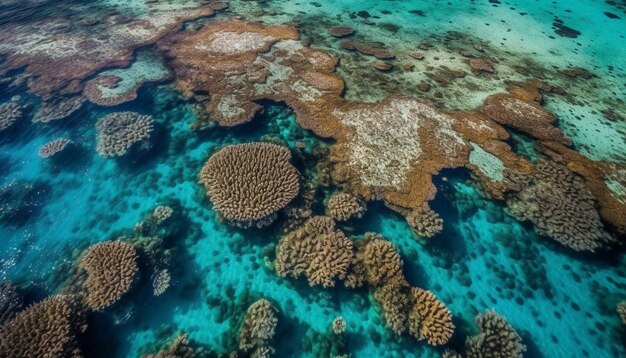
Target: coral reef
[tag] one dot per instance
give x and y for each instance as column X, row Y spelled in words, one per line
column 497, row 338
column 179, row 348
column 425, row 222
column 340, row 31
column 162, row 213
column 483, row 65
column 560, row 206
column 10, row 301
column 58, row 108
column 344, row 206
column 47, row 329
column 161, row 282
column 56, row 53
column 249, row 183
column 258, row 328
column 10, row 112
column 429, row 319
column 117, row 132
column 394, row 302
column 317, row 250
column 111, row 268
column 52, row 148
column 339, row 325
column 621, row 311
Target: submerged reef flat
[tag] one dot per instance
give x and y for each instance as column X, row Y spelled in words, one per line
column 312, row 179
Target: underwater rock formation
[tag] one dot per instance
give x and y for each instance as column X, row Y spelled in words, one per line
column 10, row 112
column 58, row 53
column 52, row 148
column 119, row 131
column 111, row 269
column 429, row 319
column 497, row 338
column 258, row 328
column 425, row 222
column 47, row 329
column 317, row 250
column 249, row 183
column 560, row 206
column 345, row 206
column 10, row 301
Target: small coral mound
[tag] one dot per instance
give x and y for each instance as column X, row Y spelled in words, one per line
column 117, row 132
column 425, row 222
column 10, row 112
column 317, row 250
column 430, row 319
column 344, row 206
column 111, row 268
column 394, row 302
column 339, row 325
column 258, row 328
column 10, row 301
column 479, row 64
column 52, row 148
column 161, row 282
column 162, row 213
column 497, row 338
column 249, row 183
column 340, row 31
column 621, row 311
column 560, row 206
column 179, row 348
column 46, row 329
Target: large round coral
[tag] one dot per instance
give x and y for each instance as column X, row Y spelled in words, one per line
column 344, row 206
column 111, row 268
column 46, row 329
column 119, row 131
column 382, row 262
column 317, row 250
column 497, row 338
column 560, row 206
column 249, row 183
column 430, row 319
column 259, row 326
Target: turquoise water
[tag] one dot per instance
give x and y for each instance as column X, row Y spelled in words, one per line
column 562, row 303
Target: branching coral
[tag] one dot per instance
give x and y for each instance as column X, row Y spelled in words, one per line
column 46, row 329
column 560, row 206
column 344, row 206
column 111, row 268
column 382, row 262
column 259, row 327
column 52, row 148
column 10, row 301
column 162, row 213
column 497, row 338
column 425, row 221
column 317, row 250
column 429, row 319
column 249, row 183
column 10, row 112
column 117, row 132
column 621, row 311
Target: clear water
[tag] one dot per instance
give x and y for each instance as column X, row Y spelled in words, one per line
column 562, row 304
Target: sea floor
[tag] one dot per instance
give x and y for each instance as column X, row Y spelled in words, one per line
column 562, row 303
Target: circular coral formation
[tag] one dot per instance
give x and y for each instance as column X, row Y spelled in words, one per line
column 340, row 31
column 10, row 112
column 339, row 325
column 621, row 311
column 259, row 326
column 497, row 338
column 429, row 319
column 111, row 268
column 425, row 222
column 249, row 183
column 317, row 250
column 382, row 262
column 52, row 148
column 560, row 206
column 10, row 301
column 344, row 206
column 119, row 131
column 46, row 329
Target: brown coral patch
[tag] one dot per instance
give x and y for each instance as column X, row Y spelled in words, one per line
column 249, row 183
column 340, row 31
column 430, row 319
column 111, row 268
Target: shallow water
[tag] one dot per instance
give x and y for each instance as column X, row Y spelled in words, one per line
column 562, row 303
